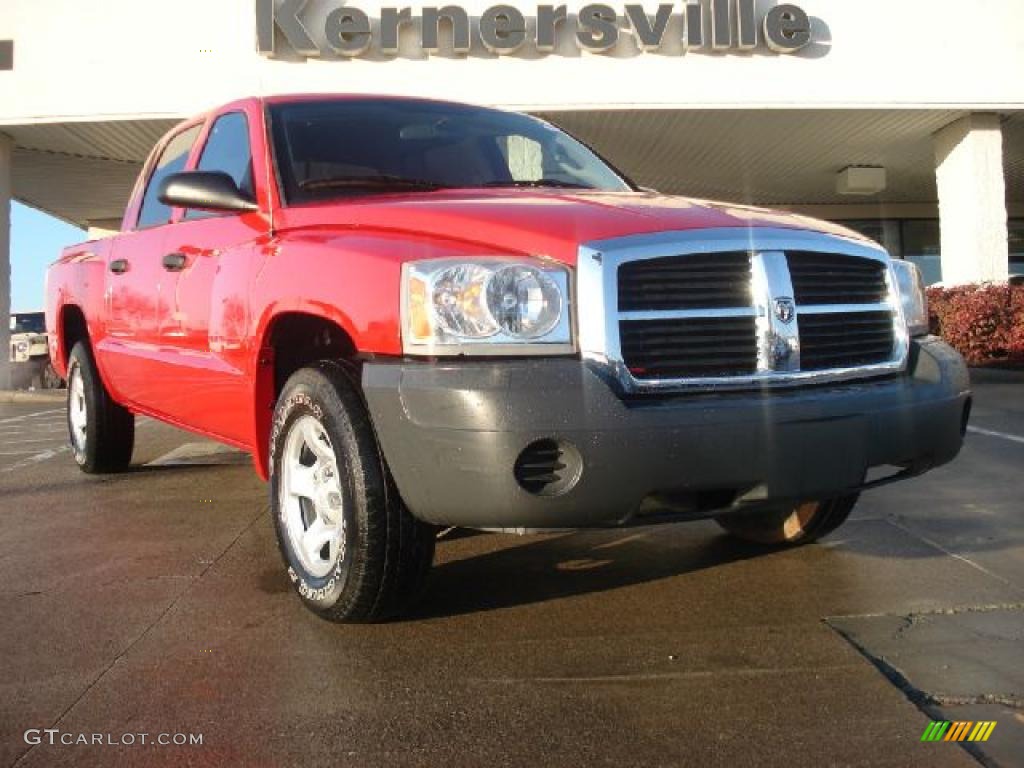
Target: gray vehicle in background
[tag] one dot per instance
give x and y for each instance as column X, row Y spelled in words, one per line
column 30, row 354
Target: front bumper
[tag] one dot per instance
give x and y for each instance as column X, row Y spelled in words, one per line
column 452, row 432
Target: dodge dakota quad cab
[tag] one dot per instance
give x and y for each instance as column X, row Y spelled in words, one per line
column 417, row 314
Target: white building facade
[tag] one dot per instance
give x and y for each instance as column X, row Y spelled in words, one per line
column 903, row 119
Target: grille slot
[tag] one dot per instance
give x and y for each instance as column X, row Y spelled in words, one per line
column 826, row 278
column 845, row 340
column 548, row 467
column 679, row 348
column 699, row 281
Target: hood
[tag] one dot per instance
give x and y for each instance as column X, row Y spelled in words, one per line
column 541, row 222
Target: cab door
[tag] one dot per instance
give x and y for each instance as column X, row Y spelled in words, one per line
column 212, row 259
column 135, row 301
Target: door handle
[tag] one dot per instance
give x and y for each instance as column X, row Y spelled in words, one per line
column 175, row 262
column 119, row 266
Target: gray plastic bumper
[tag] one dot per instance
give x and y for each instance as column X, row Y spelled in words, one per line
column 452, row 431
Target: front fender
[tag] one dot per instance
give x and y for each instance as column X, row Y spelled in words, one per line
column 347, row 276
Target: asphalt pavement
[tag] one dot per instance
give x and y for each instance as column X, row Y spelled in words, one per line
column 154, row 602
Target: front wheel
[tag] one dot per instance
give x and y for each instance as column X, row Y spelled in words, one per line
column 789, row 525
column 101, row 432
column 353, row 550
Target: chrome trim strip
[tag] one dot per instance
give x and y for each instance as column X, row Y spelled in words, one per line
column 597, row 303
column 660, row 244
column 838, row 309
column 687, row 314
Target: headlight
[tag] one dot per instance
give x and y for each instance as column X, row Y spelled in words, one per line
column 910, row 286
column 488, row 306
column 21, row 347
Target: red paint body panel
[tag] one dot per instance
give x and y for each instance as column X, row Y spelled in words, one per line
column 185, row 346
column 548, row 222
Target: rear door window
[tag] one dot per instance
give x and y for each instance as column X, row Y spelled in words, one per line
column 172, row 160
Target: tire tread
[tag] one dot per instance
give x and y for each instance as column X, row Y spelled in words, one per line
column 111, row 440
column 399, row 548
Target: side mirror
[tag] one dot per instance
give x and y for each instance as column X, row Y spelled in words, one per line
column 205, row 190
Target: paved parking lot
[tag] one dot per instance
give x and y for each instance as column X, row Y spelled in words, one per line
column 154, row 602
column 30, row 434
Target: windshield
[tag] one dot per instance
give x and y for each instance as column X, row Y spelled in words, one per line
column 335, row 148
column 33, row 322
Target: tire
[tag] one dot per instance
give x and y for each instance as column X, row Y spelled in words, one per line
column 353, row 551
column 789, row 525
column 101, row 432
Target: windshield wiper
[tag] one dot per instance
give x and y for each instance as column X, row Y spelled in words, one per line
column 381, row 181
column 555, row 183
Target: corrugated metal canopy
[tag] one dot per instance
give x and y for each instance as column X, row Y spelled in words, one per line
column 84, row 172
column 81, row 172
column 128, row 141
column 771, row 157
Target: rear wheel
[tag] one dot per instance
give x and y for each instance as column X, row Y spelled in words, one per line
column 101, row 432
column 790, row 525
column 353, row 550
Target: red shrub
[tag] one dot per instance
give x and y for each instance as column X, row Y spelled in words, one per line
column 1017, row 331
column 985, row 323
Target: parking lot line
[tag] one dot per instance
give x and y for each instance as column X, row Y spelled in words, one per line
column 993, row 433
column 49, row 431
column 35, row 459
column 25, row 440
column 16, row 419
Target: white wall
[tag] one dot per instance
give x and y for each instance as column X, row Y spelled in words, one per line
column 85, row 60
column 5, row 260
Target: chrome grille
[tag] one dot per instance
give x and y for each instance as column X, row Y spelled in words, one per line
column 845, row 339
column 828, row 278
column 699, row 281
column 735, row 308
column 710, row 346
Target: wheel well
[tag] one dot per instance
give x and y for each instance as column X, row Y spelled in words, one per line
column 73, row 329
column 293, row 341
column 298, row 340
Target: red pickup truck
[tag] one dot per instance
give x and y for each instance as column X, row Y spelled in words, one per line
column 417, row 314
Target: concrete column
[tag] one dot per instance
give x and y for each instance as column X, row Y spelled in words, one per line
column 972, row 200
column 6, row 156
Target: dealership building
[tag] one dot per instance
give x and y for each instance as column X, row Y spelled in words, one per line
column 904, row 119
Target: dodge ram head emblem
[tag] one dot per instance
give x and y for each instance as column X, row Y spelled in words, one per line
column 785, row 310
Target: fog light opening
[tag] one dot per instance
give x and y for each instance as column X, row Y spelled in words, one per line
column 965, row 418
column 548, row 467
